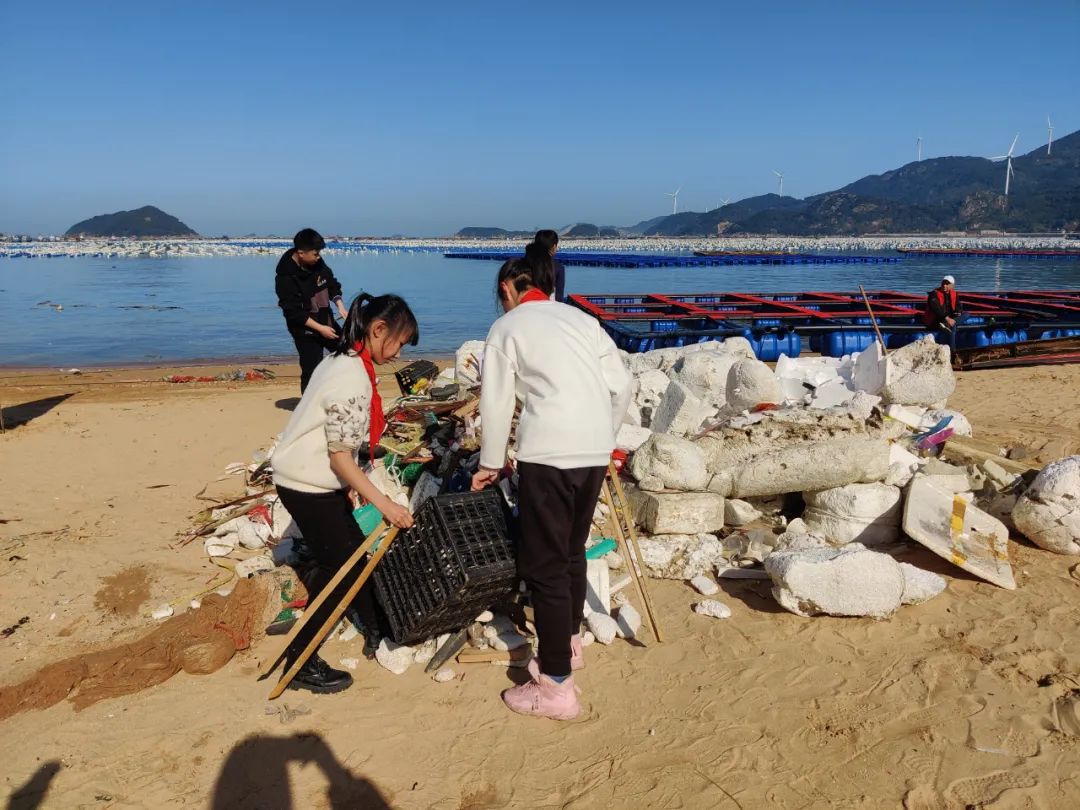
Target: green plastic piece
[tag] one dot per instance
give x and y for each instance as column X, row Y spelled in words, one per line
column 605, row 545
column 367, row 517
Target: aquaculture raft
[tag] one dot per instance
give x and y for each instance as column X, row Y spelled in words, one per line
column 967, row 253
column 832, row 323
column 680, row 260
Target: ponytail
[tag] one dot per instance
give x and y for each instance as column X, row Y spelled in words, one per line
column 523, row 274
column 366, row 309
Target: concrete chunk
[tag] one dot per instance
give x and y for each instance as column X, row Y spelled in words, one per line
column 947, row 524
column 866, row 513
column 920, row 585
column 680, row 412
column 751, row 383
column 678, row 512
column 919, row 374
column 681, row 556
column 1048, row 513
column 675, row 462
column 820, row 465
column 739, row 513
column 849, row 581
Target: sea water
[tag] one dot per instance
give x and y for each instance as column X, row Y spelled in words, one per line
column 146, row 309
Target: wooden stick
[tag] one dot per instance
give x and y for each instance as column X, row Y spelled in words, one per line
column 873, row 320
column 471, row 655
column 620, row 537
column 324, row 594
column 621, row 514
column 328, row 625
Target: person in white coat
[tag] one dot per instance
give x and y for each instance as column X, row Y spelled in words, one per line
column 574, row 390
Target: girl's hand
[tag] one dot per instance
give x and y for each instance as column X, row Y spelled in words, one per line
column 397, row 515
column 484, row 478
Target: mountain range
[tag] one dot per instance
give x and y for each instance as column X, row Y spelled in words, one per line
column 926, row 196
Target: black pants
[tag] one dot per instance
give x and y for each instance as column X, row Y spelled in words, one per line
column 332, row 534
column 556, row 508
column 310, row 347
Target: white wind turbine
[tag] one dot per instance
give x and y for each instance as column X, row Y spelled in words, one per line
column 1050, row 136
column 674, row 199
column 723, row 201
column 918, row 148
column 781, row 181
column 1007, row 157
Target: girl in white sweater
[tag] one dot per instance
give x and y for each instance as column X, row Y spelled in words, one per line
column 315, row 463
column 574, row 391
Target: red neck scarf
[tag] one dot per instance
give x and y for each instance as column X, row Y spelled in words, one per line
column 533, row 295
column 377, row 422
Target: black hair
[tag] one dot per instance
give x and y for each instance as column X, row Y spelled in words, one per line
column 308, row 239
column 546, row 238
column 366, row 309
column 525, row 273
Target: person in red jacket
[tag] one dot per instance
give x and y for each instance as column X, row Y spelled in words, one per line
column 943, row 306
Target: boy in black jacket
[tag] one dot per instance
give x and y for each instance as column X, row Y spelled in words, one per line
column 305, row 287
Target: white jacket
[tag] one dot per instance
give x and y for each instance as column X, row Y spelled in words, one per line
column 333, row 415
column 573, row 385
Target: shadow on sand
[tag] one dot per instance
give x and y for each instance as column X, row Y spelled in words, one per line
column 255, row 775
column 31, row 794
column 287, row 404
column 15, row 416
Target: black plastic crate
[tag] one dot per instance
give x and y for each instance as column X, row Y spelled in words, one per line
column 413, row 373
column 456, row 561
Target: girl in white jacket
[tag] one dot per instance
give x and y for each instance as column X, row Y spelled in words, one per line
column 574, row 391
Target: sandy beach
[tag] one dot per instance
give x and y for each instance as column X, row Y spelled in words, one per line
column 946, row 705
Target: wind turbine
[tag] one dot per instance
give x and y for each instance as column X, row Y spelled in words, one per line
column 918, row 148
column 781, row 180
column 1007, row 157
column 674, row 199
column 1050, row 136
column 723, row 201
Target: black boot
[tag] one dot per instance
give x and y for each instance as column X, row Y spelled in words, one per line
column 318, row 676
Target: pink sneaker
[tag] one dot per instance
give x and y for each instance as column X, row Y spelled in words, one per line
column 577, row 656
column 543, row 697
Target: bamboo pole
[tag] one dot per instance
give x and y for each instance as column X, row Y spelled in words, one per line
column 324, row 594
column 631, row 549
column 873, row 320
column 339, row 609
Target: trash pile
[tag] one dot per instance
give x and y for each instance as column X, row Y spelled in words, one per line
column 236, row 375
column 812, row 475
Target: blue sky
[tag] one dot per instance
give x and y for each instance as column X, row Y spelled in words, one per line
column 421, row 118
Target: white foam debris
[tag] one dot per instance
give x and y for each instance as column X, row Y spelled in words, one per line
column 713, row 608
column 705, row 586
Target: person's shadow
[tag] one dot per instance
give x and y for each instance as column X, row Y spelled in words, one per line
column 255, row 776
column 31, row 793
column 287, row 404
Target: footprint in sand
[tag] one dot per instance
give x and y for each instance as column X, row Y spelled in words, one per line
column 922, row 797
column 980, row 790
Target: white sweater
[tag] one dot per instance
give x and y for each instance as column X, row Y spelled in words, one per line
column 570, row 378
column 333, row 415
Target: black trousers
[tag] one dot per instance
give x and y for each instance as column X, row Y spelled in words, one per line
column 310, row 347
column 556, row 508
column 332, row 535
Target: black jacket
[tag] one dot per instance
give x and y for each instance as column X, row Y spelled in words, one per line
column 304, row 293
column 560, row 279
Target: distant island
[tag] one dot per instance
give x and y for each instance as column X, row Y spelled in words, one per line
column 481, row 232
column 147, row 221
